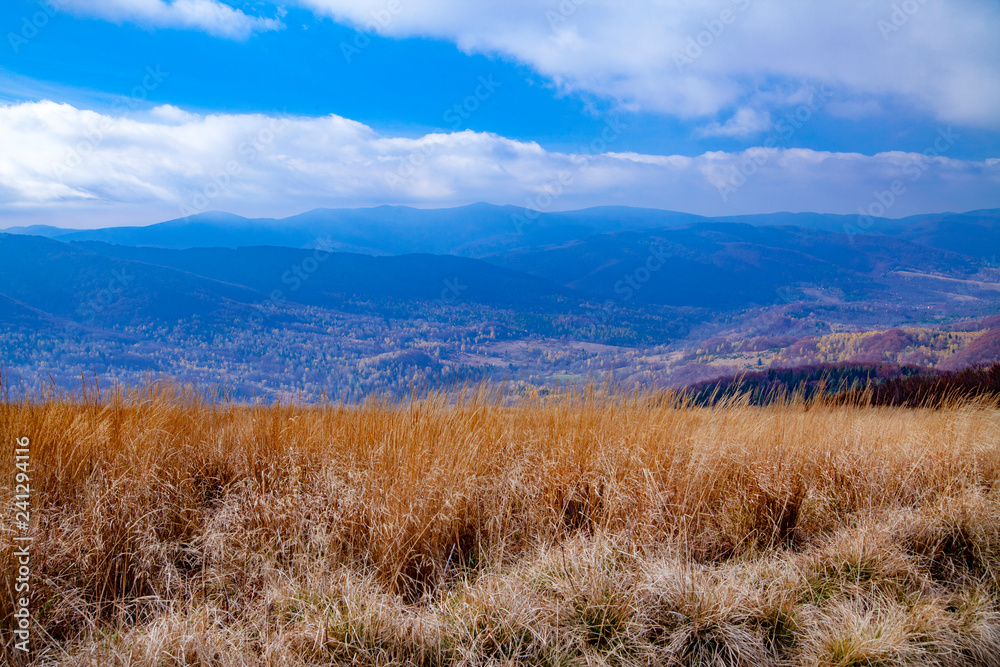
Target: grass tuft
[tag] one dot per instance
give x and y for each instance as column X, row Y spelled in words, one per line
column 481, row 529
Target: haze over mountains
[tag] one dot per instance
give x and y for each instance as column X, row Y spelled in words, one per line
column 479, row 229
column 375, row 296
column 468, row 231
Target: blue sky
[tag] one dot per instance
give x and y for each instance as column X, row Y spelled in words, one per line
column 560, row 105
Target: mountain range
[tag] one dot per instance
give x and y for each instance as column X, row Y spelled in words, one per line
column 489, row 287
column 483, row 229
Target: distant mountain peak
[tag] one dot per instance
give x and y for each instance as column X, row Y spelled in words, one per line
column 208, row 216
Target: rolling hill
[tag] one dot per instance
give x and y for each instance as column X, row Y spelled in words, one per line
column 648, row 297
column 468, row 230
column 733, row 265
column 483, row 229
column 328, row 279
column 124, row 285
column 71, row 283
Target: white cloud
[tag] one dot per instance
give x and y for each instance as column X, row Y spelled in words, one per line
column 211, row 16
column 72, row 166
column 700, row 58
column 745, row 122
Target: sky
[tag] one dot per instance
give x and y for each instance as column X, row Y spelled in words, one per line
column 136, row 111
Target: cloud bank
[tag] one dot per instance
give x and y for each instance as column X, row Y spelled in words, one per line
column 210, row 16
column 70, row 166
column 699, row 58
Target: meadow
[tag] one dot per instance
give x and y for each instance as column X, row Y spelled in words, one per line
column 587, row 528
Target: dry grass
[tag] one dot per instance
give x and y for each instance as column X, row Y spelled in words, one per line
column 589, row 529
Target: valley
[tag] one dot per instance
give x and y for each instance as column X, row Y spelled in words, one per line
column 607, row 294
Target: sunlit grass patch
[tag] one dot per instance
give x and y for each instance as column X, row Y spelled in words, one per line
column 483, row 529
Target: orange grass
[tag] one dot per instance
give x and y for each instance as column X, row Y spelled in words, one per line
column 588, row 528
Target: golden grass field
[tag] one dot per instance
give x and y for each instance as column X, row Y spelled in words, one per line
column 586, row 529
